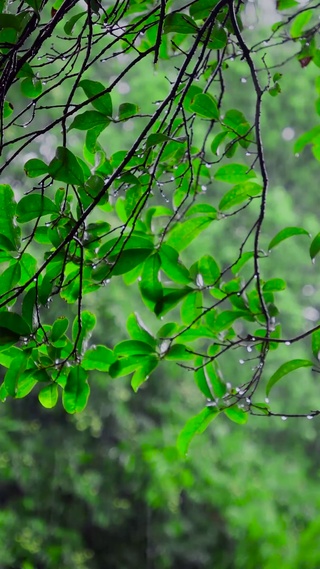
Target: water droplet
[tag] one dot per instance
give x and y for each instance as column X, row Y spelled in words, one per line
column 228, row 385
column 267, row 400
column 204, row 188
column 249, row 349
column 243, row 80
column 253, row 339
column 248, row 400
column 284, row 418
column 309, row 417
column 288, row 343
column 241, row 362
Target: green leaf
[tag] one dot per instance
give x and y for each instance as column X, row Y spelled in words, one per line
column 225, row 319
column 315, row 342
column 286, row 4
column 201, row 9
column 31, row 87
column 17, row 367
column 143, row 372
column 127, row 365
column 217, row 385
column 48, row 396
column 183, row 233
column 89, row 120
column 299, row 22
column 234, row 173
column 99, row 358
column 284, row 369
column 35, row 167
column 65, row 167
column 127, row 110
column 149, row 285
column 102, row 103
column 170, row 299
column 245, row 257
column 35, row 206
column 136, row 347
column 239, row 194
column 127, row 260
column 179, row 352
column 7, row 109
column 274, row 285
column 138, row 331
column 315, row 246
column 179, row 23
column 195, row 426
column 237, row 415
column 15, row 323
column 306, row 138
column 76, row 392
column 157, row 138
column 192, row 308
column 59, row 327
column 201, row 378
column 9, row 278
column 88, row 322
column 172, row 266
column 69, row 26
column 9, row 233
column 208, row 269
column 26, row 383
column 205, row 106
column 285, row 234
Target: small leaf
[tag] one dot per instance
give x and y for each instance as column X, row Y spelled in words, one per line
column 31, row 87
column 7, row 109
column 102, row 103
column 236, row 414
column 234, row 173
column 35, row 206
column 48, row 396
column 274, row 285
column 89, row 120
column 59, row 328
column 239, row 194
column 286, row 4
column 205, row 106
column 99, row 358
column 65, row 167
column 127, row 110
column 315, row 246
column 68, row 28
column 179, row 23
column 285, row 234
column 9, row 234
column 170, row 299
column 142, row 373
column 76, row 392
column 299, row 22
column 35, row 167
column 179, row 352
column 183, row 233
column 284, row 369
column 195, row 426
column 136, row 347
column 315, row 341
column 138, row 331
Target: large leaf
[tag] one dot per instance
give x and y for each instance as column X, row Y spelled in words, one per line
column 195, row 426
column 236, row 414
column 201, row 9
column 138, row 331
column 17, row 367
column 65, row 167
column 143, row 372
column 179, row 23
column 284, row 369
column 102, row 103
column 172, row 266
column 239, row 194
column 76, row 391
column 48, row 396
column 35, row 206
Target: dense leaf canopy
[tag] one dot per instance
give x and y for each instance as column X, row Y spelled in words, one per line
column 128, row 187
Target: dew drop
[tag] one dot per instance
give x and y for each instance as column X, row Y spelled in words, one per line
column 284, row 418
column 288, row 343
column 241, row 362
column 204, row 188
column 249, row 349
column 309, row 417
column 248, row 400
column 267, row 400
column 243, row 80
